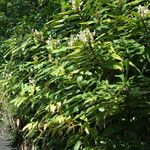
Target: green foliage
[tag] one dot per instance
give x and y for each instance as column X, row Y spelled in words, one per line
column 78, row 76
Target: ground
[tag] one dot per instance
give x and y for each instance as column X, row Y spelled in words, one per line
column 4, row 143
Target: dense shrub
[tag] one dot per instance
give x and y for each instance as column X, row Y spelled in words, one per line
column 79, row 78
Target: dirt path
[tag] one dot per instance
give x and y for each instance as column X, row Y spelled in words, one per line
column 4, row 144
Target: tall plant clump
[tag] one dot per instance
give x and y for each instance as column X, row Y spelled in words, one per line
column 82, row 81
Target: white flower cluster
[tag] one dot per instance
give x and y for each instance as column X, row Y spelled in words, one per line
column 31, row 80
column 76, row 4
column 85, row 36
column 72, row 40
column 143, row 10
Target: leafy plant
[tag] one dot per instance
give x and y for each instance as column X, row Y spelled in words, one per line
column 80, row 79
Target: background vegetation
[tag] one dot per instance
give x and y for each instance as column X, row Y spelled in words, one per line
column 75, row 74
